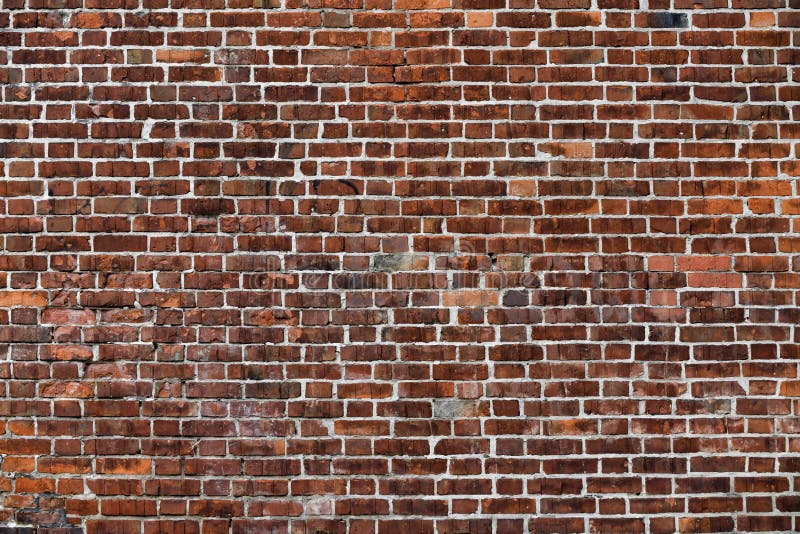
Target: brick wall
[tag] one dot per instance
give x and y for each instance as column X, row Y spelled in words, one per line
column 381, row 266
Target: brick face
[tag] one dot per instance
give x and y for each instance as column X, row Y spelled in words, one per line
column 452, row 266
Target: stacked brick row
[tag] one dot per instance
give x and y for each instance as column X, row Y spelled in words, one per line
column 453, row 266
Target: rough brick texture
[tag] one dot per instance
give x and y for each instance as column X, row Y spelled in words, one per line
column 384, row 266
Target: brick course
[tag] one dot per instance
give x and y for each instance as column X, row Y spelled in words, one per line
column 369, row 266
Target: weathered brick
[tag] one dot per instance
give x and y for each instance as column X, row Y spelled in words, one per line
column 358, row 267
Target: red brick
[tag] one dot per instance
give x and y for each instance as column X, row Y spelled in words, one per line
column 308, row 244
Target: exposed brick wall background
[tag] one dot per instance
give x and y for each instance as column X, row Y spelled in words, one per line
column 399, row 266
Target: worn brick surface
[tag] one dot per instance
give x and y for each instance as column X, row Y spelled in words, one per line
column 381, row 266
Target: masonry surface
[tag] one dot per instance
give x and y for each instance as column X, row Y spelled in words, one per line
column 383, row 266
